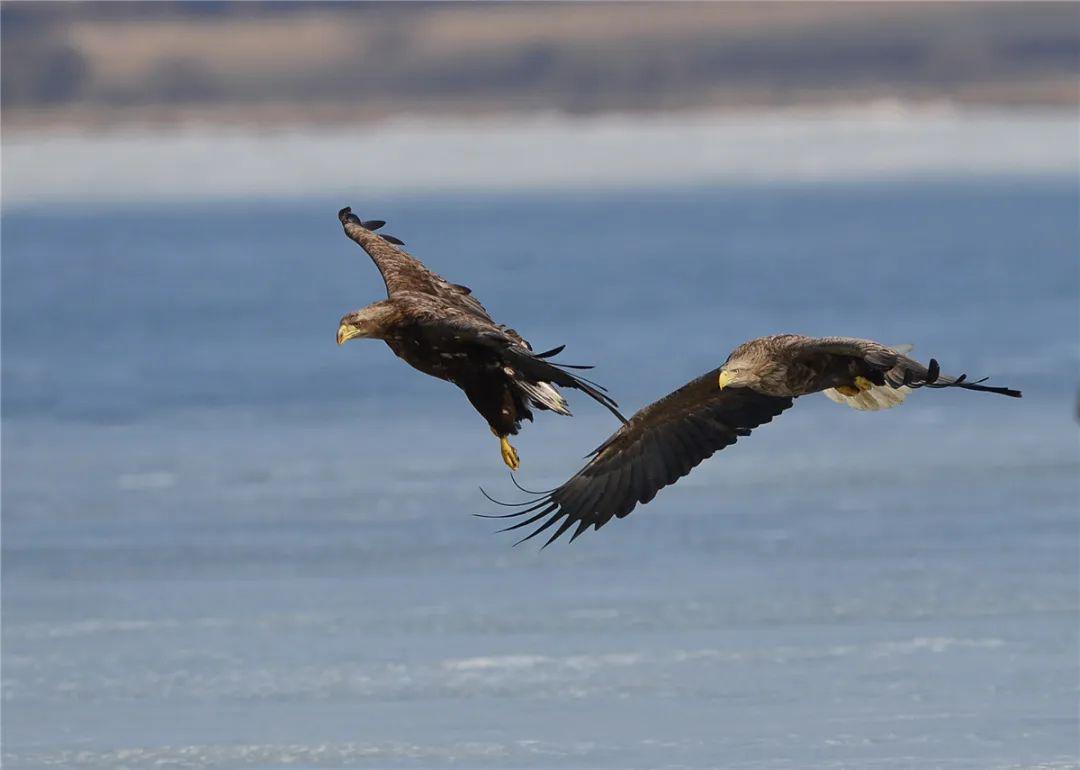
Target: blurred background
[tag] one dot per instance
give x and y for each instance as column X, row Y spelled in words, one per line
column 104, row 63
column 229, row 543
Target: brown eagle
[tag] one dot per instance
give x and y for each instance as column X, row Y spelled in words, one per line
column 441, row 329
column 760, row 379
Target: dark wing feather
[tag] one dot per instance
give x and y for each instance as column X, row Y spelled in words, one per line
column 911, row 373
column 874, row 353
column 659, row 445
column 899, row 369
column 403, row 272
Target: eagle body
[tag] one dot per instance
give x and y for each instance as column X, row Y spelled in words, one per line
column 792, row 365
column 440, row 329
column 761, row 378
column 494, row 388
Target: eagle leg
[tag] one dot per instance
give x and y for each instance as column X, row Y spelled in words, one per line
column 509, row 454
column 863, row 384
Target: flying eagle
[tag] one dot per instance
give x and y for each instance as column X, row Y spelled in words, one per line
column 760, row 379
column 441, row 329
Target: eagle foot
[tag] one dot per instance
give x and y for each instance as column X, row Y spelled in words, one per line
column 509, row 454
column 848, row 390
column 862, row 383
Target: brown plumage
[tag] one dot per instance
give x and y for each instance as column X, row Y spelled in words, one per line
column 760, row 379
column 439, row 328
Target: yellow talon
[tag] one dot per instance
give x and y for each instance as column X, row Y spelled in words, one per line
column 862, row 383
column 848, row 390
column 509, row 454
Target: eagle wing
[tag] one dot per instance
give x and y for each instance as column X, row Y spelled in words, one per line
column 403, row 272
column 659, row 445
column 899, row 370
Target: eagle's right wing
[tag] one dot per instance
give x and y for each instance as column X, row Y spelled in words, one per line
column 900, row 370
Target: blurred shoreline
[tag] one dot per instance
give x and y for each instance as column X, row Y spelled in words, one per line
column 104, row 65
column 409, row 156
column 1045, row 95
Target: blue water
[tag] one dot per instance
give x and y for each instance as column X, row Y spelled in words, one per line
column 229, row 543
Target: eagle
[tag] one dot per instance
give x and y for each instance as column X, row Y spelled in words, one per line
column 441, row 329
column 760, row 379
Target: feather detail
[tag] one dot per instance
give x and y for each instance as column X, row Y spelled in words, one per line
column 874, row 400
column 544, row 395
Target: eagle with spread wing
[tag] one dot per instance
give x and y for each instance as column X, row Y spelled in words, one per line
column 760, row 379
column 441, row 329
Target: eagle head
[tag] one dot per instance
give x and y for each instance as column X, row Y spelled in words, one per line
column 737, row 372
column 368, row 322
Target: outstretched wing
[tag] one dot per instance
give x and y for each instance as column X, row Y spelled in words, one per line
column 658, row 446
column 403, row 272
column 899, row 370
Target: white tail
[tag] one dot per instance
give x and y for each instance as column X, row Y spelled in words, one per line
column 545, row 394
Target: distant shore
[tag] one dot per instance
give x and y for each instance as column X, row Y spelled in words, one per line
column 1048, row 94
column 548, row 151
column 102, row 65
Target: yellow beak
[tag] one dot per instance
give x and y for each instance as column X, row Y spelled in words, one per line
column 346, row 333
column 725, row 379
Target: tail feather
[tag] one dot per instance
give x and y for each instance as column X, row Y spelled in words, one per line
column 544, row 395
column 536, row 370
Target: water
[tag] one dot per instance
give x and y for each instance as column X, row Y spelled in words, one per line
column 229, row 543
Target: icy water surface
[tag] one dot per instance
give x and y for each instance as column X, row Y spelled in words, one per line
column 229, row 543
